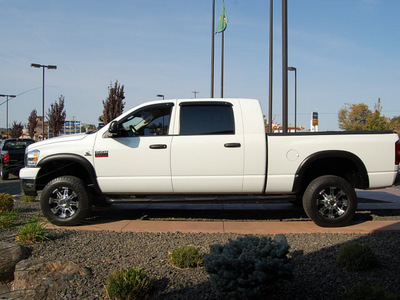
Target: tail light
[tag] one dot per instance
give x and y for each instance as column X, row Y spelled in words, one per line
column 397, row 152
column 6, row 158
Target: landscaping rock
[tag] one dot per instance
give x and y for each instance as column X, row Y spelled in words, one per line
column 10, row 255
column 38, row 279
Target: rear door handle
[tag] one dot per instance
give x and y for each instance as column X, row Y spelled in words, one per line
column 232, row 145
column 158, row 146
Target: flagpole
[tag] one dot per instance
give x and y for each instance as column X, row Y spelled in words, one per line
column 212, row 50
column 222, row 66
column 271, row 66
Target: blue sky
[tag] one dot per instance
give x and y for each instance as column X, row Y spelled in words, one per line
column 345, row 51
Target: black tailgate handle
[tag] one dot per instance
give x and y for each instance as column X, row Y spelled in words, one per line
column 158, row 146
column 232, row 145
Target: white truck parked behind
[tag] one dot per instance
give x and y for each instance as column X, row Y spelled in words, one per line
column 209, row 146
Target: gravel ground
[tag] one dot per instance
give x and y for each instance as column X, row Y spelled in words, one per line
column 316, row 275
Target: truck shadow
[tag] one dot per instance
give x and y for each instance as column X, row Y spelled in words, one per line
column 198, row 212
column 216, row 212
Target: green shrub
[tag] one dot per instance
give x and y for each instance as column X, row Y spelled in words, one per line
column 6, row 202
column 7, row 219
column 356, row 257
column 186, row 257
column 248, row 268
column 32, row 232
column 128, row 284
column 367, row 291
column 26, row 198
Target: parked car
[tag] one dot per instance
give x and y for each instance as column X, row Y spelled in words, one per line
column 210, row 146
column 12, row 156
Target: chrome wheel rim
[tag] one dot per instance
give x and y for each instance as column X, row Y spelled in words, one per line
column 64, row 202
column 332, row 202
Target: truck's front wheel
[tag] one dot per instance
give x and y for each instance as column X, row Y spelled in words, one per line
column 330, row 201
column 65, row 201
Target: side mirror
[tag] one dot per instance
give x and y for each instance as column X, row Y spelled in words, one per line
column 113, row 128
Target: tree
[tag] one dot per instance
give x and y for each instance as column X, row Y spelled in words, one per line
column 113, row 106
column 395, row 124
column 16, row 130
column 375, row 121
column 354, row 118
column 56, row 115
column 32, row 123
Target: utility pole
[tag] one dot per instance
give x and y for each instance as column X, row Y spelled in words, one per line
column 8, row 96
column 195, row 94
column 284, row 68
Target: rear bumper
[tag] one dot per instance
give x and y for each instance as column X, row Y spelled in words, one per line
column 397, row 181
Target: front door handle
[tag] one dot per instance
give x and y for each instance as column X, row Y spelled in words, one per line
column 158, row 146
column 232, row 145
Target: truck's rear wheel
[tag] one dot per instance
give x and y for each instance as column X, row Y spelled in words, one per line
column 330, row 201
column 4, row 174
column 65, row 201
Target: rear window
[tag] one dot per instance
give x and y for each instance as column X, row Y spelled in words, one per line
column 16, row 144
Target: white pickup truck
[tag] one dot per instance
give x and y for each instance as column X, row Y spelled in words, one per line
column 208, row 146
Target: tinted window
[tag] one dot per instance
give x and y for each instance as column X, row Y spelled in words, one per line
column 16, row 144
column 207, row 119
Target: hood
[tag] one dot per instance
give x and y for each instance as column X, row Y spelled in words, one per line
column 60, row 139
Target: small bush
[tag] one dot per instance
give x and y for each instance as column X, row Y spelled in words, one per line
column 6, row 202
column 26, row 198
column 128, row 284
column 7, row 219
column 356, row 257
column 367, row 291
column 186, row 257
column 248, row 268
column 33, row 232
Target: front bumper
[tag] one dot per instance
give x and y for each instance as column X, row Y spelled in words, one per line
column 28, row 187
column 28, row 180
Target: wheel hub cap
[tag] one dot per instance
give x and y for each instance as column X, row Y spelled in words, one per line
column 64, row 202
column 332, row 202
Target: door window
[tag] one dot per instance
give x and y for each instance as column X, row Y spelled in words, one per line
column 205, row 119
column 150, row 121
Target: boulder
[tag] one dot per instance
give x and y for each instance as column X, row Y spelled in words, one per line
column 38, row 279
column 10, row 255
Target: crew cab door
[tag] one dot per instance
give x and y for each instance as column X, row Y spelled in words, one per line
column 136, row 159
column 207, row 148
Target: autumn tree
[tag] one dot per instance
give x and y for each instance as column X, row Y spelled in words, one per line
column 375, row 121
column 56, row 115
column 32, row 123
column 354, row 118
column 113, row 106
column 16, row 130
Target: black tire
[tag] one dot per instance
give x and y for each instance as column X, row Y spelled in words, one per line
column 4, row 174
column 330, row 201
column 65, row 201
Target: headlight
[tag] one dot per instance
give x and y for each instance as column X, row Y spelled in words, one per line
column 32, row 158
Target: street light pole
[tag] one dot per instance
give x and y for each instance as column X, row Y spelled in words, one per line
column 8, row 96
column 295, row 96
column 161, row 96
column 44, row 67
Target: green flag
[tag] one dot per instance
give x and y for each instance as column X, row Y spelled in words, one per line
column 223, row 20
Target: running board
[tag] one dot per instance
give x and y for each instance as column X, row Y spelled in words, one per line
column 202, row 199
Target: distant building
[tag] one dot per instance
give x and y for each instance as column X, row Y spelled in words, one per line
column 71, row 127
